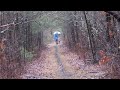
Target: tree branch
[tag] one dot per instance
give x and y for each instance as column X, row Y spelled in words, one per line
column 115, row 15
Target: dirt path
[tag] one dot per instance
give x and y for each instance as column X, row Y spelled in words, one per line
column 57, row 62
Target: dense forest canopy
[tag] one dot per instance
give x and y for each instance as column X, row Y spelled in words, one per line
column 92, row 35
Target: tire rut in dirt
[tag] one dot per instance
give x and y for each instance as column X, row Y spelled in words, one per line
column 62, row 72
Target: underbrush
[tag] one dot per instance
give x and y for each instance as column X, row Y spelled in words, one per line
column 26, row 55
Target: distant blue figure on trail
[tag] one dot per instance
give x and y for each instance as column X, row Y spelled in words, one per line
column 56, row 37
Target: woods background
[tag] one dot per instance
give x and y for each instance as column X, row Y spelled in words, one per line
column 93, row 35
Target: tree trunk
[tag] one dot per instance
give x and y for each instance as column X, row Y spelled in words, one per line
column 91, row 38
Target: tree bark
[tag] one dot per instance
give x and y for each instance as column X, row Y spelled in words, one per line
column 91, row 38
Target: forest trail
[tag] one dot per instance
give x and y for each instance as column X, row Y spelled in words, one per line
column 57, row 62
column 90, row 38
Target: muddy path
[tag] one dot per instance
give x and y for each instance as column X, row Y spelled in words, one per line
column 57, row 62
